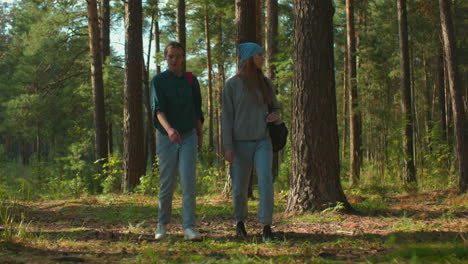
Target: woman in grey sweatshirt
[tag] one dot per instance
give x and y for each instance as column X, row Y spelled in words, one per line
column 245, row 116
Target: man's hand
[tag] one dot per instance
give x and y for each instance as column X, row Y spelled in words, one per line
column 229, row 155
column 174, row 135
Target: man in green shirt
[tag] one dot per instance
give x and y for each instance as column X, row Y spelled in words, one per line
column 177, row 115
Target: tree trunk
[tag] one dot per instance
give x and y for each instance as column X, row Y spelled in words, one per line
column 354, row 113
column 409, row 174
column 150, row 139
column 246, row 15
column 315, row 183
column 105, row 47
column 345, row 104
column 271, row 33
column 157, row 35
column 258, row 22
column 246, row 21
column 441, row 94
column 133, row 156
column 97, row 84
column 181, row 35
column 459, row 116
column 210, row 77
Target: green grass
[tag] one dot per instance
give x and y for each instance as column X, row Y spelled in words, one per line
column 120, row 228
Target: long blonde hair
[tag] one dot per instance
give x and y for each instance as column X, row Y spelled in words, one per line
column 255, row 81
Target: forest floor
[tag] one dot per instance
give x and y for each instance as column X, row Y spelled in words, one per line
column 425, row 227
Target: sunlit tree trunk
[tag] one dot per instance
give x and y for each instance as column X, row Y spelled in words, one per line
column 97, row 83
column 133, row 155
column 150, row 139
column 315, row 182
column 409, row 173
column 459, row 116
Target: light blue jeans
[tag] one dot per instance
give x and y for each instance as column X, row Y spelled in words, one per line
column 258, row 153
column 181, row 156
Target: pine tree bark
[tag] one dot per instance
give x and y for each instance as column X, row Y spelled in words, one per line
column 409, row 173
column 210, row 79
column 271, row 33
column 246, row 21
column 355, row 124
column 97, row 83
column 181, row 32
column 105, row 47
column 133, row 156
column 315, row 182
column 460, row 121
column 150, row 136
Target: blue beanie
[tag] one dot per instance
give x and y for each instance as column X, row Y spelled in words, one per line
column 248, row 50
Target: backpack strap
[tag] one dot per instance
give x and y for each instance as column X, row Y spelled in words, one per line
column 189, row 77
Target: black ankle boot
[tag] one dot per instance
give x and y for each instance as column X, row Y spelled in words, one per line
column 240, row 230
column 267, row 234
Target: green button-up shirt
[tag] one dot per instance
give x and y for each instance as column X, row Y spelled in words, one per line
column 177, row 99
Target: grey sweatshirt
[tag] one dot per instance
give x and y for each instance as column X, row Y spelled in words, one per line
column 243, row 118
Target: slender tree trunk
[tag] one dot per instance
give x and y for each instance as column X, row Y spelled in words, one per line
column 210, row 77
column 150, row 139
column 315, row 183
column 271, row 33
column 181, row 33
column 105, row 47
column 459, row 116
column 409, row 173
column 133, row 156
column 97, row 83
column 157, row 35
column 345, row 104
column 354, row 113
column 441, row 94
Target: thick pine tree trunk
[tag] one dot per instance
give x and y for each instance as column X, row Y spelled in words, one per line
column 409, row 173
column 441, row 94
column 460, row 121
column 210, row 79
column 133, row 156
column 181, row 32
column 315, row 182
column 97, row 83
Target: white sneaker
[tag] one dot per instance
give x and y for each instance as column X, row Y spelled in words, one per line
column 160, row 232
column 190, row 234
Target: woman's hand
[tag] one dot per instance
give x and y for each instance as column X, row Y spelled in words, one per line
column 229, row 155
column 272, row 117
column 174, row 135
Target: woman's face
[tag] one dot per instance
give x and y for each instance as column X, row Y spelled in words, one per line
column 258, row 60
column 174, row 58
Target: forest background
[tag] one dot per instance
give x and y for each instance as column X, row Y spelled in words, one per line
column 56, row 144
